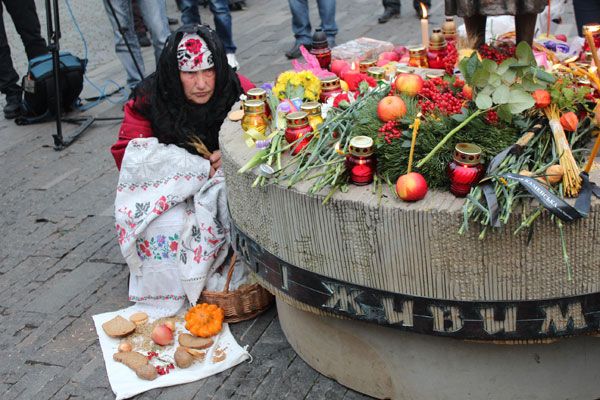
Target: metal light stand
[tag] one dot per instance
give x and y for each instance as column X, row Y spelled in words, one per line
column 53, row 24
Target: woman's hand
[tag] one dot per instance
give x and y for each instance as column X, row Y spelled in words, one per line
column 215, row 162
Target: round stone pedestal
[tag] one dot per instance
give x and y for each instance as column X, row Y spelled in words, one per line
column 388, row 363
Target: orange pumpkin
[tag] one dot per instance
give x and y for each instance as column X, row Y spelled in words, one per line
column 569, row 121
column 204, row 320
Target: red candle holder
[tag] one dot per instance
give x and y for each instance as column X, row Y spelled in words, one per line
column 298, row 127
column 329, row 86
column 320, row 49
column 438, row 50
column 360, row 162
column 466, row 169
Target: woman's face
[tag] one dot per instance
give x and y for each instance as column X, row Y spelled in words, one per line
column 198, row 86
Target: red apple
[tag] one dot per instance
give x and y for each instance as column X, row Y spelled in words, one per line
column 338, row 65
column 411, row 187
column 389, row 55
column 467, row 91
column 409, row 84
column 391, row 108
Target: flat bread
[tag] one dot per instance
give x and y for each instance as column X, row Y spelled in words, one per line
column 118, row 327
column 236, row 115
column 194, row 342
column 138, row 363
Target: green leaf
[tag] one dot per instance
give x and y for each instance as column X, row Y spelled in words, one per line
column 489, row 65
column 544, row 76
column 520, row 101
column 460, row 117
column 483, row 101
column 529, row 85
column 509, row 76
column 480, row 77
column 495, row 80
column 504, row 113
column 468, row 66
column 501, row 95
column 525, row 54
column 505, row 66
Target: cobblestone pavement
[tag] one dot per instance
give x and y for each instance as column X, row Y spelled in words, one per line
column 59, row 260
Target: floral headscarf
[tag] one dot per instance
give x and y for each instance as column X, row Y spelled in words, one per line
column 193, row 54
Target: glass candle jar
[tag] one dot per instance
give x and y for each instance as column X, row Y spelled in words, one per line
column 298, row 127
column 449, row 29
column 364, row 65
column 254, row 116
column 313, row 109
column 360, row 161
column 257, row 94
column 437, row 51
column 466, row 169
column 329, row 87
column 320, row 49
column 377, row 73
column 418, row 57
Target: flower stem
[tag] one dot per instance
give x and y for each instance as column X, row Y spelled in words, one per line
column 447, row 137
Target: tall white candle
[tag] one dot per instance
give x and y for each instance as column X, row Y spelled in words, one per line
column 424, row 26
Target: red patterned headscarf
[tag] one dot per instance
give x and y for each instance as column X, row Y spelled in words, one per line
column 193, row 54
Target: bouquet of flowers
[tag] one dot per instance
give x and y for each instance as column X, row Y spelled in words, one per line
column 297, row 85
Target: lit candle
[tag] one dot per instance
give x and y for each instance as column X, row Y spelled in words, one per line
column 352, row 71
column 424, row 26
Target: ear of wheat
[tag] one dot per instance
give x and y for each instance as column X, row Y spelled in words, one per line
column 200, row 147
column 571, row 178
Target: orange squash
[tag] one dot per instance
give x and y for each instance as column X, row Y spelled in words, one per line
column 569, row 121
column 204, row 320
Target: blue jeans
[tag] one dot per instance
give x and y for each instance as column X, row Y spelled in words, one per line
column 301, row 21
column 222, row 19
column 154, row 13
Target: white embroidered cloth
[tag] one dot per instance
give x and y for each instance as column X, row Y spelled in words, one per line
column 172, row 223
column 125, row 383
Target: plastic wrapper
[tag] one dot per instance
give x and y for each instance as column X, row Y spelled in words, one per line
column 360, row 49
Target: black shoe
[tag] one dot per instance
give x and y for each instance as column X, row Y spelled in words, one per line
column 388, row 14
column 12, row 109
column 173, row 21
column 144, row 41
column 294, row 52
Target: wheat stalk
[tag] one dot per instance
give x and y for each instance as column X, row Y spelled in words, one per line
column 199, row 146
column 571, row 178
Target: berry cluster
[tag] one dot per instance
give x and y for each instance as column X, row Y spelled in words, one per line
column 151, row 355
column 390, row 131
column 497, row 53
column 436, row 94
column 451, row 59
column 164, row 370
column 491, row 117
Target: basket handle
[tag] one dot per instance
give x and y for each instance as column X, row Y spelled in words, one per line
column 230, row 272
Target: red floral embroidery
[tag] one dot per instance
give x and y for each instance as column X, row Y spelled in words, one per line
column 161, row 205
column 145, row 248
column 121, row 232
column 173, row 246
column 194, row 46
column 198, row 254
column 198, row 59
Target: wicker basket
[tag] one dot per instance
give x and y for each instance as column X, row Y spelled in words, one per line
column 239, row 305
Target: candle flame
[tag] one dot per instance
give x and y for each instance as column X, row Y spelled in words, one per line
column 353, row 66
column 593, row 69
column 423, row 10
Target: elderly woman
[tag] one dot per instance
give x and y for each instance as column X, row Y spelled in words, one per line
column 170, row 208
column 475, row 14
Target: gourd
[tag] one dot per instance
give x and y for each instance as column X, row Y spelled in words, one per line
column 204, row 320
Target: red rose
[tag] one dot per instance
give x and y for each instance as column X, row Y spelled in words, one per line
column 193, row 46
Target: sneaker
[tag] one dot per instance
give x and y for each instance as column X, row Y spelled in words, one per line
column 232, row 61
column 294, row 52
column 388, row 14
column 143, row 39
column 12, row 109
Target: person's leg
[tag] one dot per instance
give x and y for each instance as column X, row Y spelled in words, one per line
column 122, row 9
column 222, row 18
column 391, row 9
column 27, row 24
column 154, row 13
column 138, row 23
column 586, row 11
column 8, row 76
column 301, row 21
column 476, row 28
column 525, row 24
column 189, row 12
column 327, row 14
